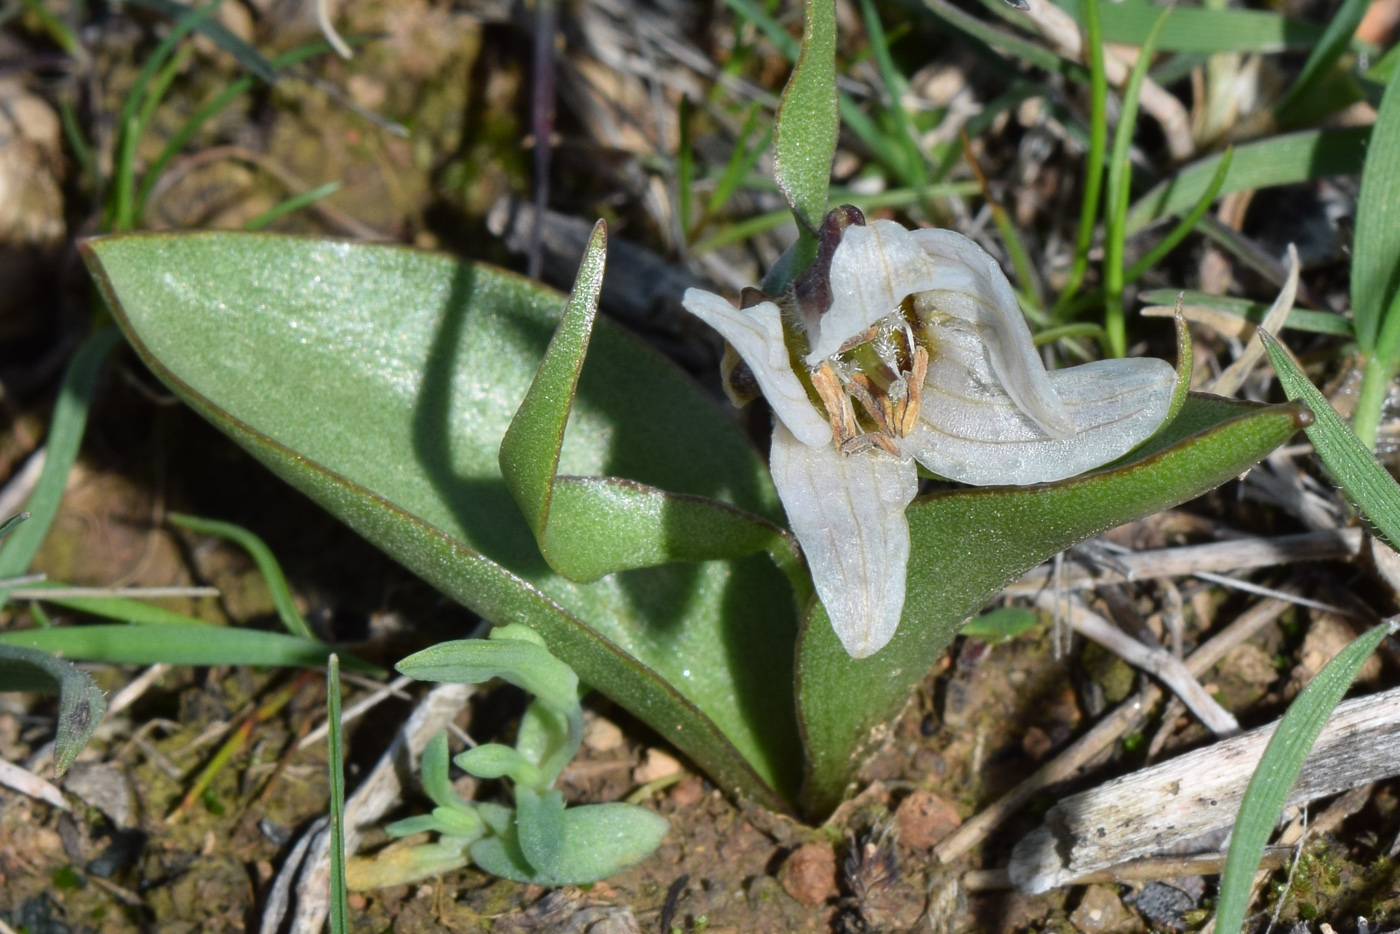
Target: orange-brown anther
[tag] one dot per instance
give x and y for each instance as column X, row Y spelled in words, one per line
column 838, row 405
column 871, row 399
column 917, row 374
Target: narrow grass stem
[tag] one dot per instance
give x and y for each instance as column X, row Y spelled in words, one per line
column 1093, row 169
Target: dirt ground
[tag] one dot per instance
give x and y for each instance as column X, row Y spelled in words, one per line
column 428, row 128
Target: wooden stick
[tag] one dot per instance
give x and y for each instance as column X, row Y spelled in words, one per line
column 1199, row 793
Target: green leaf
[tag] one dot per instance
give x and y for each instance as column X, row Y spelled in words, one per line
column 418, row 823
column 1278, row 160
column 12, row 523
column 458, row 821
column 600, row 840
column 433, row 775
column 1375, row 268
column 65, row 436
column 1355, row 469
column 474, row 661
column 81, row 702
column 1277, row 771
column 968, row 544
column 804, row 140
column 1000, row 625
column 265, row 560
column 1197, row 29
column 380, row 381
column 494, row 760
column 1329, row 48
column 539, row 826
column 588, row 527
column 546, row 738
column 177, row 645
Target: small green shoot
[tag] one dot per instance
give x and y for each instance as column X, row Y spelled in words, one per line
column 1000, row 625
column 540, row 841
column 294, row 203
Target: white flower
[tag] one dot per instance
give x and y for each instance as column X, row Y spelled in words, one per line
column 906, row 345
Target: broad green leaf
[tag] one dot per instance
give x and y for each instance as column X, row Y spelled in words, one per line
column 1277, row 771
column 380, row 381
column 804, row 138
column 474, row 661
column 495, row 760
column 968, row 544
column 1375, row 269
column 65, row 436
column 1279, row 160
column 1329, row 48
column 539, row 826
column 265, row 560
column 335, row 742
column 588, row 527
column 458, row 821
column 1299, row 319
column 1197, row 29
column 600, row 840
column 177, row 645
column 1353, row 466
column 81, row 702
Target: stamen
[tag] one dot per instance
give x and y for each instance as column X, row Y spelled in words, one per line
column 868, row 334
column 870, row 399
column 838, row 404
column 917, row 375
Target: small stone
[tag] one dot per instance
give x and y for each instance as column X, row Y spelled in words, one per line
column 656, row 765
column 809, row 874
column 1101, row 911
column 356, row 901
column 1036, row 743
column 602, row 735
column 924, row 819
column 688, row 792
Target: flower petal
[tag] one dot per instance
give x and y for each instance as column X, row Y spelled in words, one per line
column 990, row 306
column 875, row 268
column 757, row 334
column 848, row 514
column 970, row 430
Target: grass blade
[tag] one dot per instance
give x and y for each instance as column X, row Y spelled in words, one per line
column 250, row 58
column 1334, row 41
column 265, row 560
column 1353, row 466
column 178, row 645
column 340, row 908
column 1093, row 169
column 65, row 437
column 1186, row 224
column 12, row 523
column 1278, row 769
column 1119, row 183
column 1299, row 319
column 1279, row 160
column 294, row 203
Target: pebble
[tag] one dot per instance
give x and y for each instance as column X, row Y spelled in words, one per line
column 809, row 874
column 1101, row 911
column 924, row 819
column 656, row 765
column 688, row 792
column 102, row 785
column 602, row 735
